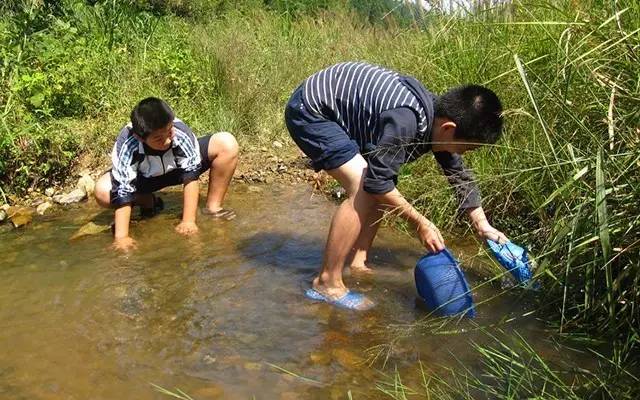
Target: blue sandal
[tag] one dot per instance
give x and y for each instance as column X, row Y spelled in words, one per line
column 350, row 301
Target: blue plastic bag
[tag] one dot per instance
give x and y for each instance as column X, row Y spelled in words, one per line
column 514, row 258
column 441, row 284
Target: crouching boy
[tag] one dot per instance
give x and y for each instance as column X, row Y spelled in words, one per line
column 156, row 150
column 361, row 123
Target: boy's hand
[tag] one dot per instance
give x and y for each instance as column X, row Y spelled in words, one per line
column 125, row 244
column 430, row 237
column 487, row 231
column 187, row 228
column 483, row 227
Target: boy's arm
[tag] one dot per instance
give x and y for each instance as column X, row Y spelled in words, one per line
column 483, row 227
column 121, row 239
column 188, row 158
column 187, row 151
column 399, row 128
column 464, row 184
column 427, row 232
column 190, row 207
column 460, row 178
column 123, row 176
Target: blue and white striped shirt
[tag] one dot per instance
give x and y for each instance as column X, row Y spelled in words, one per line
column 354, row 94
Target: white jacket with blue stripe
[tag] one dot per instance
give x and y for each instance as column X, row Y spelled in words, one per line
column 133, row 162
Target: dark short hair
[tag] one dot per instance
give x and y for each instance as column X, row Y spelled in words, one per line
column 476, row 111
column 150, row 115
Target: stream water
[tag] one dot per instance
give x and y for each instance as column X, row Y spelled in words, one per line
column 220, row 315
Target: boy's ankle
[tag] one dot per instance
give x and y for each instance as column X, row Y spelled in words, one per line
column 327, row 281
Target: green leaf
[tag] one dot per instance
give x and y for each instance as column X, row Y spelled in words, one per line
column 564, row 187
column 37, row 99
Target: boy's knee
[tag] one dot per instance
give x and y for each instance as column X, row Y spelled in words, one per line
column 224, row 143
column 102, row 192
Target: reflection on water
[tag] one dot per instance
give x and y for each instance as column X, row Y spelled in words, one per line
column 220, row 315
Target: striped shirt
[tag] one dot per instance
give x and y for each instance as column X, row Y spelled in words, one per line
column 390, row 116
column 354, row 94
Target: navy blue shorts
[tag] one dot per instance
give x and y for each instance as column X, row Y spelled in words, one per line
column 323, row 141
column 173, row 178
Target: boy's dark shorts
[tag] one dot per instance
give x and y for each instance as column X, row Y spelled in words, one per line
column 323, row 141
column 150, row 185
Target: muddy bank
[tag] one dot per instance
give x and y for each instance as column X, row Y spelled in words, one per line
column 257, row 166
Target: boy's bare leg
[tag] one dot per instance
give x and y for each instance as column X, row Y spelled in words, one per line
column 365, row 240
column 345, row 227
column 223, row 153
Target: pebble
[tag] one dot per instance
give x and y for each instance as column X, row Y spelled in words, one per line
column 74, row 196
column 347, row 359
column 42, row 208
column 277, row 144
column 49, row 192
column 208, row 359
column 20, row 216
column 3, row 215
column 87, row 184
column 88, row 229
column 320, row 357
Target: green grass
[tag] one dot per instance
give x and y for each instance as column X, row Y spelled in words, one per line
column 513, row 369
column 563, row 180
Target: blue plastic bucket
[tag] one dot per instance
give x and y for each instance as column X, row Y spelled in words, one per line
column 442, row 285
column 514, row 259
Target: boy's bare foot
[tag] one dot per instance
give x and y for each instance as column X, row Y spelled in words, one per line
column 332, row 293
column 220, row 213
column 361, row 269
column 187, row 228
column 339, row 296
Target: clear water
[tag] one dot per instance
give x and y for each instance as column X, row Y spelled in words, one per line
column 220, row 315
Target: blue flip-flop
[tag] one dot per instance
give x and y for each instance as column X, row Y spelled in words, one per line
column 350, row 301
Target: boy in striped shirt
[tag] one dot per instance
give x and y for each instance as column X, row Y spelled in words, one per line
column 360, row 123
column 156, row 150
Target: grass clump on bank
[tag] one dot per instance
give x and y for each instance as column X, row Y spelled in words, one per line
column 564, row 180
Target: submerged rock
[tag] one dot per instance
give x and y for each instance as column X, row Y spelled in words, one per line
column 89, row 229
column 209, row 359
column 74, row 196
column 320, row 357
column 20, row 216
column 347, row 359
column 3, row 215
column 42, row 208
column 87, row 184
column 212, row 391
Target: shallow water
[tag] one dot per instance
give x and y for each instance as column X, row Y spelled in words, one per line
column 220, row 315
